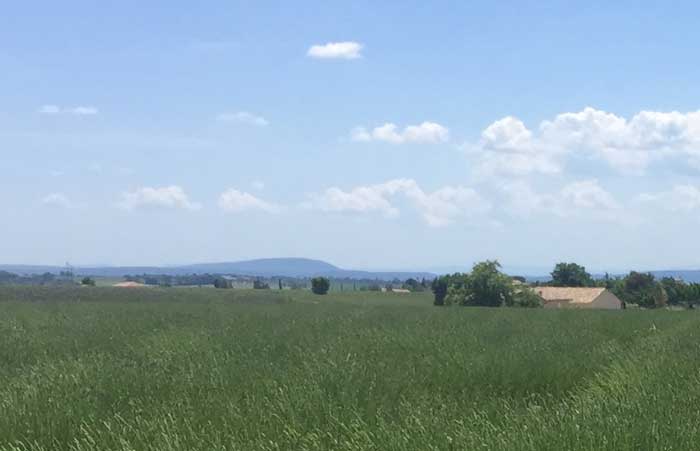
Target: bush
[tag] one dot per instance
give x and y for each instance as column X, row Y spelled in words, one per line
column 260, row 285
column 439, row 287
column 88, row 282
column 220, row 282
column 527, row 298
column 320, row 285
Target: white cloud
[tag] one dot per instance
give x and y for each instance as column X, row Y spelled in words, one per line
column 243, row 117
column 59, row 200
column 508, row 133
column 582, row 199
column 49, row 109
column 588, row 194
column 164, row 197
column 235, row 201
column 508, row 147
column 681, row 198
column 77, row 110
column 439, row 208
column 336, row 50
column 427, row 132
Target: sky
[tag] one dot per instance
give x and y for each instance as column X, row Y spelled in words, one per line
column 373, row 135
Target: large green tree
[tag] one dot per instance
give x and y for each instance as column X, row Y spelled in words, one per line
column 571, row 275
column 485, row 286
column 641, row 289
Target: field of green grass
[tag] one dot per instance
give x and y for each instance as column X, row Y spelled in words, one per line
column 203, row 369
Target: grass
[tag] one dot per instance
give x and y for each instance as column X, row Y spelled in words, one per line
column 204, row 369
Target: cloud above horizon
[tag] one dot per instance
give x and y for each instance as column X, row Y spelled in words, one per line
column 235, row 201
column 507, row 147
column 59, row 200
column 243, row 117
column 172, row 197
column 580, row 199
column 426, row 132
column 76, row 111
column 348, row 50
column 438, row 208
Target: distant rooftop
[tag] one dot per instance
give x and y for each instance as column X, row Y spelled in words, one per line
column 574, row 295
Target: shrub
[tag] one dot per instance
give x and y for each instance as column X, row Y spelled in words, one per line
column 260, row 285
column 88, row 282
column 220, row 282
column 439, row 287
column 527, row 298
column 320, row 285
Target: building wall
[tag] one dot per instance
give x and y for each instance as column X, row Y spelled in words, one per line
column 607, row 300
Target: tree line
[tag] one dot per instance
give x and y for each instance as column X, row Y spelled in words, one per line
column 487, row 286
column 635, row 288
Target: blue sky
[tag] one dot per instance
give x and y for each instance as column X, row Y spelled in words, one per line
column 402, row 135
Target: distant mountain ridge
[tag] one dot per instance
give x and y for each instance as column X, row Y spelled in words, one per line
column 264, row 267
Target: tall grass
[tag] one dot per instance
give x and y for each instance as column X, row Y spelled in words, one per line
column 204, row 369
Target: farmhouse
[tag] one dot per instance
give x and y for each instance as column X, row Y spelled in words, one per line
column 128, row 285
column 576, row 297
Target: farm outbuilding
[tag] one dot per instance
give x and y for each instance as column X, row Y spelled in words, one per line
column 129, row 285
column 578, row 297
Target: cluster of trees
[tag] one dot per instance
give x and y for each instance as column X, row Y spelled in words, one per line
column 644, row 290
column 169, row 281
column 8, row 278
column 260, row 285
column 485, row 286
column 416, row 286
column 637, row 288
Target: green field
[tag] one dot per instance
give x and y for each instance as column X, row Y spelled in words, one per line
column 204, row 369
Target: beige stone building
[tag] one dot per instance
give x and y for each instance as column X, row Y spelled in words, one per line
column 570, row 297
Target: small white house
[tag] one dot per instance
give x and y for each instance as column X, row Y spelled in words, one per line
column 578, row 297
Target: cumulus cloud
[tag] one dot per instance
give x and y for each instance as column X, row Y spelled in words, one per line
column 59, row 200
column 508, row 147
column 588, row 194
column 427, row 132
column 438, row 208
column 582, row 199
column 681, row 198
column 336, row 50
column 77, row 110
column 164, row 197
column 235, row 201
column 243, row 117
